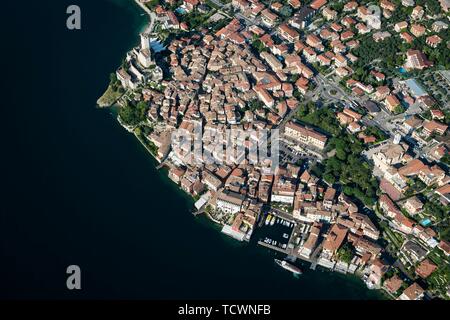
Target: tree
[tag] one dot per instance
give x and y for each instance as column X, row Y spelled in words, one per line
column 255, row 104
column 258, row 45
column 347, row 166
column 328, row 177
column 433, row 6
column 133, row 114
column 286, row 11
column 376, row 132
column 399, row 109
column 345, row 253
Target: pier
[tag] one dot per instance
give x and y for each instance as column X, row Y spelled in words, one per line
column 290, row 252
column 162, row 165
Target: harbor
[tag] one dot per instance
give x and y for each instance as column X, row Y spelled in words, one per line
column 279, row 232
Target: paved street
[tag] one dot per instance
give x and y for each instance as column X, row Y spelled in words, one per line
column 389, row 122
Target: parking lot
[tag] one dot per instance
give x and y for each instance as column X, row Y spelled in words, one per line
column 295, row 153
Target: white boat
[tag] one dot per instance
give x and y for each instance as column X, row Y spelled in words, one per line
column 286, row 265
column 273, row 221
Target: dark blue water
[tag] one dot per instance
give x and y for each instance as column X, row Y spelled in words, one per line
column 78, row 189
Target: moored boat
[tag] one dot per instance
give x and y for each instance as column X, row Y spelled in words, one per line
column 286, row 265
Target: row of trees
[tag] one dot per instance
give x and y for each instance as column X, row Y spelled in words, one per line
column 346, row 166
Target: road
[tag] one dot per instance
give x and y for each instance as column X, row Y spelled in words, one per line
column 236, row 14
column 391, row 123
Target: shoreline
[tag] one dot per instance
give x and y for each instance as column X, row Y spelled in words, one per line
column 147, row 28
column 150, row 14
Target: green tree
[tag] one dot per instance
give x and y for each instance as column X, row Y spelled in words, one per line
column 133, row 114
column 345, row 253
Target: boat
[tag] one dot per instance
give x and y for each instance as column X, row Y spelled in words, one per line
column 268, row 219
column 286, row 265
column 273, row 221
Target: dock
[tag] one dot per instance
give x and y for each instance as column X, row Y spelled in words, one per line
column 163, row 163
column 160, row 166
column 291, row 253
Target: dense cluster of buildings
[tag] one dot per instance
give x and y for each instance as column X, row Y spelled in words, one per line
column 220, row 81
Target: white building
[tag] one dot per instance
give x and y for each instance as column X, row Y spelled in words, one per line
column 229, row 201
column 145, row 41
column 145, row 58
column 305, row 135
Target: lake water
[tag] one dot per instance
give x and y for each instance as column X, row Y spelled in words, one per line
column 78, row 189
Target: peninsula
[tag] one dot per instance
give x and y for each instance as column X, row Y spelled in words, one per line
column 351, row 98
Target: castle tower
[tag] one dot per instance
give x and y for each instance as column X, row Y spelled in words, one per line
column 145, row 41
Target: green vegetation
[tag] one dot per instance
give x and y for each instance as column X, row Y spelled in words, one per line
column 415, row 185
column 132, row 115
column 432, row 6
column 384, row 52
column 399, row 109
column 379, row 134
column 255, row 104
column 440, row 56
column 436, row 210
column 323, row 118
column 142, row 133
column 439, row 280
column 345, row 253
column 286, row 11
column 212, row 4
column 427, row 114
column 436, row 256
column 446, row 159
column 152, row 4
column 347, row 166
column 217, row 25
column 112, row 93
column 258, row 45
column 337, row 6
column 195, row 19
column 395, row 238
